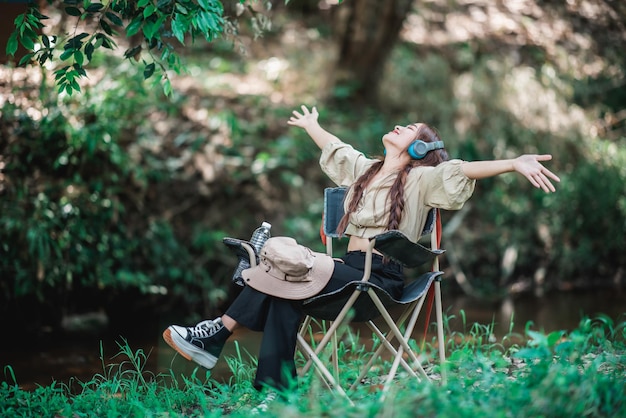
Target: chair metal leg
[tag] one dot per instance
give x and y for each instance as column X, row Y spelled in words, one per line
column 394, row 329
column 335, row 354
column 305, row 325
column 407, row 335
column 440, row 336
column 327, row 377
column 333, row 328
column 413, row 310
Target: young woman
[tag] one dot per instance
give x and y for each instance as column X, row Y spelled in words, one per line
column 394, row 193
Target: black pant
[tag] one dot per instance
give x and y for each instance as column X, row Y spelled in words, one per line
column 279, row 319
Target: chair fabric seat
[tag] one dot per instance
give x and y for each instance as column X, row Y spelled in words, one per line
column 328, row 305
column 396, row 246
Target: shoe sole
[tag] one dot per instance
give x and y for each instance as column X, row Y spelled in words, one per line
column 188, row 350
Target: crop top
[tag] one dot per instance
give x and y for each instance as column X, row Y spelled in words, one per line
column 444, row 186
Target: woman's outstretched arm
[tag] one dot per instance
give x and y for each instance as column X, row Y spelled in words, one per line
column 528, row 165
column 308, row 121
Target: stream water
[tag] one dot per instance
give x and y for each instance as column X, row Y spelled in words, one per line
column 80, row 357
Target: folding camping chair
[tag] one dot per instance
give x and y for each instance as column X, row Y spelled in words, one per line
column 362, row 301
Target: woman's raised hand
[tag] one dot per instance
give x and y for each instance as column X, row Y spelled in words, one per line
column 308, row 121
column 529, row 165
column 304, row 119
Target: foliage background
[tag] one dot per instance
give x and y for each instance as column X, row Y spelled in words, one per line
column 118, row 197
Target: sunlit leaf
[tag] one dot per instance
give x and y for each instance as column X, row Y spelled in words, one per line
column 149, row 11
column 67, row 54
column 167, row 87
column 134, row 26
column 179, row 28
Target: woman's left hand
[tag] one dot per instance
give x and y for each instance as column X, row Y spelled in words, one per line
column 529, row 165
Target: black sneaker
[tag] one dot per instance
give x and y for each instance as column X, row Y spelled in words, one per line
column 202, row 343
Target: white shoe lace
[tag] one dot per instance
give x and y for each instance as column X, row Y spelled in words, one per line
column 264, row 406
column 206, row 328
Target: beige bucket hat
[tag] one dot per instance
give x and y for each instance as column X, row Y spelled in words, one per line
column 288, row 270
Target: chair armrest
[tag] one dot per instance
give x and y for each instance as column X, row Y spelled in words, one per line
column 395, row 245
column 243, row 250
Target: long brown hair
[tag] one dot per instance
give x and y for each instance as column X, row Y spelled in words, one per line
column 396, row 193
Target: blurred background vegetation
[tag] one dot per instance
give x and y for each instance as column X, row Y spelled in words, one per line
column 117, row 197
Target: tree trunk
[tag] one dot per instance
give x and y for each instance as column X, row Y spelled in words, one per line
column 366, row 32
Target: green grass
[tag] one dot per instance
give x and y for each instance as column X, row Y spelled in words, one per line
column 559, row 374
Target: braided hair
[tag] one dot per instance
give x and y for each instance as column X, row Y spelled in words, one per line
column 396, row 193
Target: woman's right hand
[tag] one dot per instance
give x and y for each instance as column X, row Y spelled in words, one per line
column 308, row 121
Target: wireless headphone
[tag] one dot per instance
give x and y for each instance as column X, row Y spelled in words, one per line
column 418, row 149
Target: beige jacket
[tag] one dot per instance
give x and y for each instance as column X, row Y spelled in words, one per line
column 444, row 186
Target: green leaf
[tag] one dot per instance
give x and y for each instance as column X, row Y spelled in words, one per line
column 538, row 339
column 206, row 4
column 66, row 54
column 19, row 20
column 134, row 26
column 107, row 43
column 94, row 7
column 89, row 49
column 73, row 11
column 106, row 27
column 182, row 9
column 115, row 19
column 167, row 87
column 142, row 3
column 148, row 71
column 45, row 56
column 530, row 353
column 26, row 58
column 12, row 44
column 77, row 41
column 151, row 29
column 132, row 52
column 564, row 348
column 79, row 57
column 80, row 70
column 38, row 15
column 179, row 28
column 28, row 43
column 149, row 11
column 75, row 85
column 554, row 337
column 60, row 72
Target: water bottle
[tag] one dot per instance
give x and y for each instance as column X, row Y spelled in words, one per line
column 260, row 235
